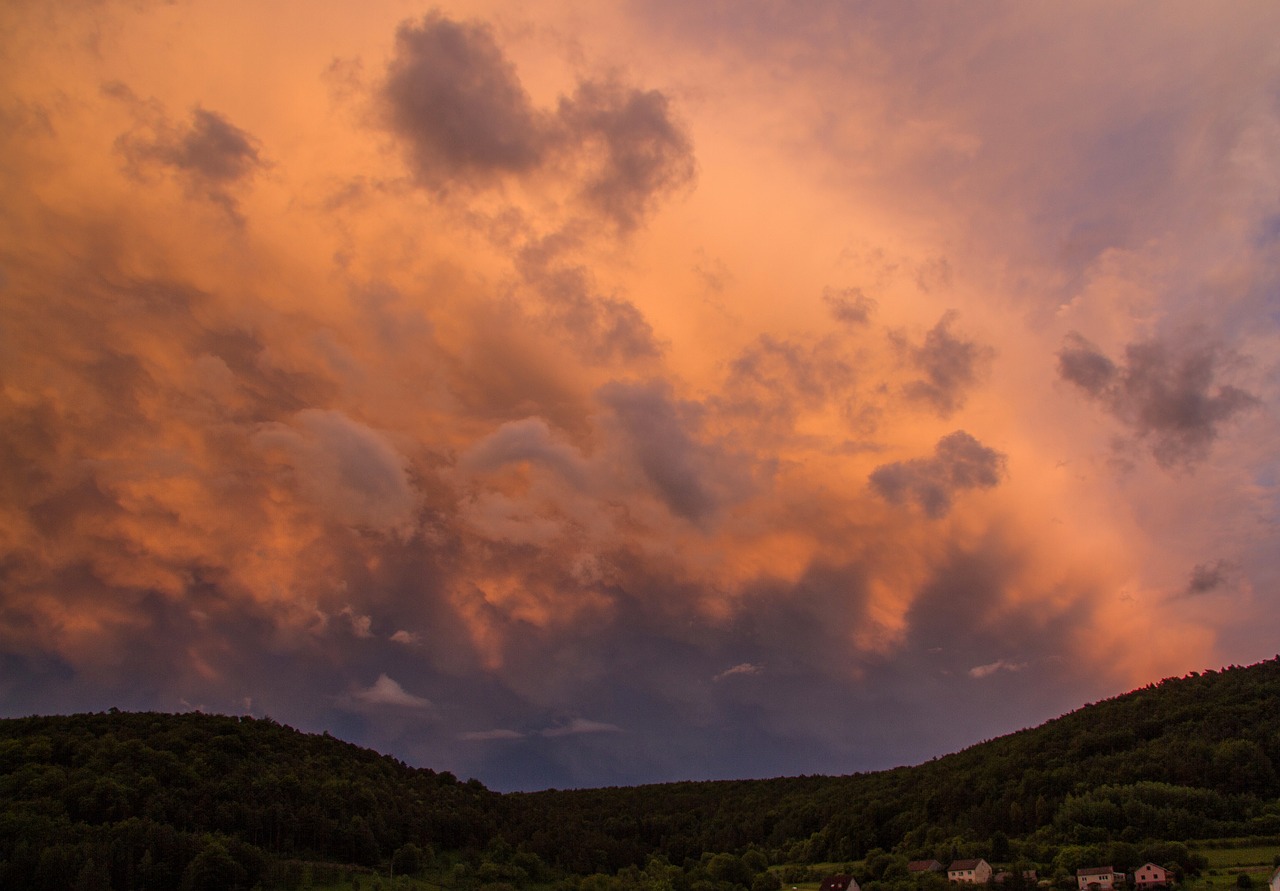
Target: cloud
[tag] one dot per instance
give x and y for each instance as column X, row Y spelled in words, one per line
column 579, row 726
column 1167, row 393
column 464, row 117
column 408, row 638
column 346, row 467
column 458, row 105
column 740, row 668
column 485, row 735
column 984, row 671
column 693, row 478
column 959, row 462
column 951, row 365
column 360, row 625
column 529, row 439
column 642, row 153
column 210, row 154
column 602, row 329
column 1206, row 577
column 575, row 727
column 385, row 691
column 849, row 306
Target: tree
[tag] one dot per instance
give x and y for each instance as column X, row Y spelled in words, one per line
column 407, row 860
column 213, row 869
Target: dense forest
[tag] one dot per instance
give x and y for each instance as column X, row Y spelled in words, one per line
column 156, row 801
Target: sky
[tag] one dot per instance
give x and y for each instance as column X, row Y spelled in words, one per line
column 579, row 394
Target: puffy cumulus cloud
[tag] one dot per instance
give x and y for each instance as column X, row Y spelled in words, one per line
column 387, row 692
column 458, row 106
column 950, row 364
column 959, row 462
column 1168, row 393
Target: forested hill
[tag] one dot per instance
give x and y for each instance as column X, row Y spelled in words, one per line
column 159, row 801
column 1193, row 757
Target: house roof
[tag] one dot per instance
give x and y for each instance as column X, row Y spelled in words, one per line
column 840, row 882
column 923, row 866
column 964, row 864
column 1095, row 871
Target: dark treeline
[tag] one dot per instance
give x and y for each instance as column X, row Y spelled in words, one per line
column 132, row 801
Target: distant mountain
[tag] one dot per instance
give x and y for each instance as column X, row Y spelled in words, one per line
column 120, row 800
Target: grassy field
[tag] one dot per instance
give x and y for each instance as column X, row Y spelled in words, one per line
column 1227, row 864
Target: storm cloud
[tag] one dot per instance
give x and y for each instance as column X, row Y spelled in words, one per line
column 595, row 395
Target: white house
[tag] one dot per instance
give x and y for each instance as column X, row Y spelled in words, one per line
column 969, row 872
column 1098, row 878
column 1150, row 875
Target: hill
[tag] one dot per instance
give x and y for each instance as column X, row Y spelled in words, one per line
column 119, row 800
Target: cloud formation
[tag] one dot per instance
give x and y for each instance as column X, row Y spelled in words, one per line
column 959, row 462
column 631, row 394
column 1167, row 393
column 457, row 104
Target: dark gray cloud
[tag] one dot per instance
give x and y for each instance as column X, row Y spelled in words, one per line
column 959, row 462
column 950, row 365
column 645, row 154
column 460, row 110
column 1206, row 577
column 458, row 105
column 1167, row 393
column 693, row 478
column 210, row 154
column 849, row 305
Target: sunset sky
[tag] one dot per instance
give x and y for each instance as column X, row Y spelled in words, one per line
column 576, row 393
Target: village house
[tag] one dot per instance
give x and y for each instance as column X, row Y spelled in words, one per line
column 840, row 882
column 1098, row 878
column 918, row 866
column 969, row 872
column 1151, row 875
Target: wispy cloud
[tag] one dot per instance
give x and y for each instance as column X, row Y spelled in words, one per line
column 739, row 669
column 984, row 671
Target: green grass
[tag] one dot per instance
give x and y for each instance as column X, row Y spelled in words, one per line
column 1229, row 858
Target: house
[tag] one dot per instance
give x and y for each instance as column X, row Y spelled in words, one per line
column 840, row 882
column 918, row 866
column 1150, row 875
column 969, row 872
column 1098, row 878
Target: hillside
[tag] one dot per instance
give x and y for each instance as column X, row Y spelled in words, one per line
column 162, row 801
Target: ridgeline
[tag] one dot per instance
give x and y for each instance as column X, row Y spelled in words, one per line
column 158, row 801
